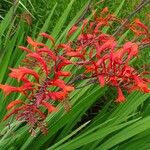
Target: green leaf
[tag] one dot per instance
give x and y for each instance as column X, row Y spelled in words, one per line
column 97, row 135
column 126, row 133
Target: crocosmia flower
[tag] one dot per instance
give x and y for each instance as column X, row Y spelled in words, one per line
column 41, row 80
column 101, row 56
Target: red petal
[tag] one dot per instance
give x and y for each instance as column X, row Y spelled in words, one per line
column 75, row 54
column 14, row 103
column 101, row 80
column 26, row 86
column 15, row 111
column 63, row 62
column 48, row 37
column 39, row 59
column 69, row 88
column 21, row 72
column 7, row 89
column 121, row 97
column 72, row 30
column 34, row 43
column 63, row 73
column 140, row 24
column 50, row 107
column 118, row 55
column 48, row 51
column 131, row 49
column 141, row 84
column 90, row 68
column 25, row 49
column 61, row 84
column 105, row 10
column 85, row 22
column 66, row 47
column 110, row 44
column 57, row 95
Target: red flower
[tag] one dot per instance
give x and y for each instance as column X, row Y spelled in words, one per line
column 121, row 97
column 34, row 43
column 71, row 31
column 41, row 60
column 50, row 107
column 7, row 89
column 141, row 84
column 14, row 103
column 39, row 91
column 98, row 55
column 101, row 79
column 21, row 72
column 48, row 37
column 47, row 51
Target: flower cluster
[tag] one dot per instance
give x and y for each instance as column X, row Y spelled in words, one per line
column 38, row 87
column 99, row 54
column 104, row 59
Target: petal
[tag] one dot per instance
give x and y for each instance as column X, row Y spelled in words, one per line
column 21, row 72
column 131, row 49
column 141, row 84
column 27, row 86
column 63, row 62
column 25, row 49
column 75, row 54
column 7, row 89
column 63, row 73
column 71, row 31
column 69, row 88
column 101, row 79
column 34, row 43
column 48, row 51
column 89, row 68
column 14, row 103
column 50, row 107
column 48, row 37
column 140, row 24
column 66, row 47
column 85, row 22
column 39, row 59
column 57, row 95
column 105, row 10
column 110, row 44
column 61, row 84
column 15, row 111
column 121, row 97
